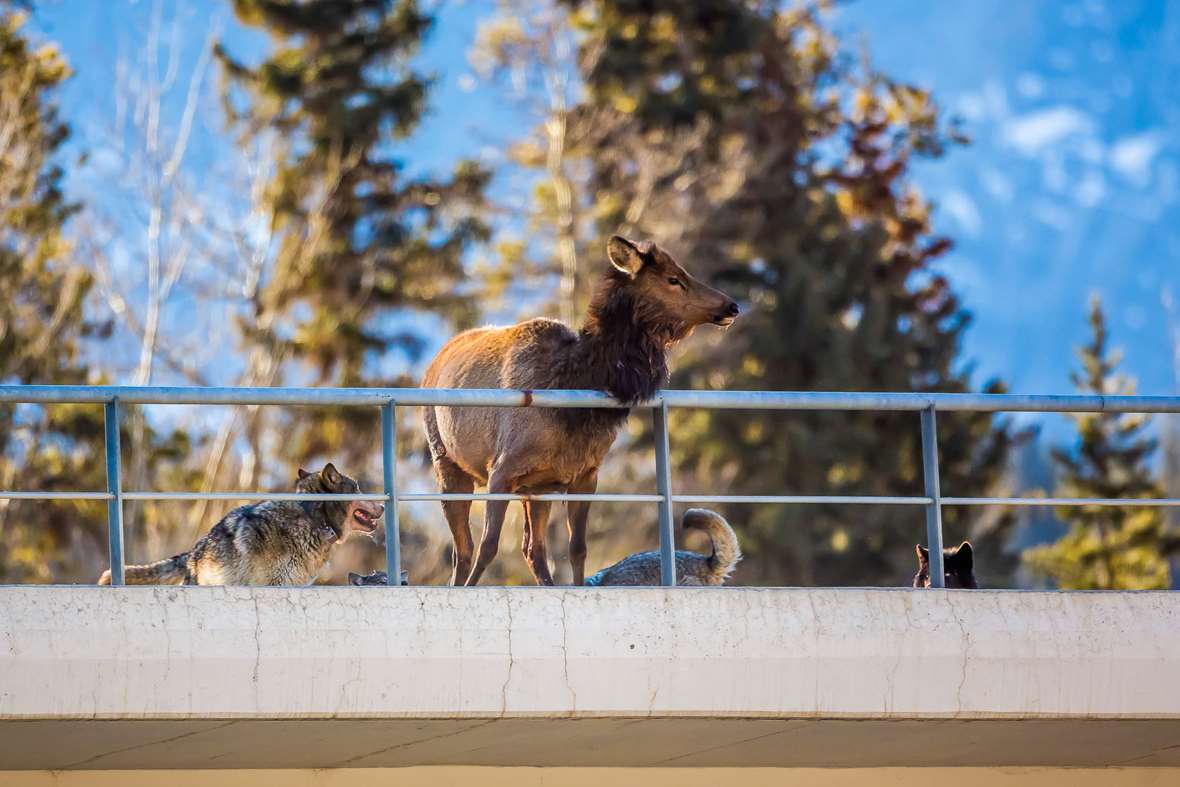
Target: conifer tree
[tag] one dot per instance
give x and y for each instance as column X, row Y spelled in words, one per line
column 1107, row 547
column 359, row 239
column 741, row 136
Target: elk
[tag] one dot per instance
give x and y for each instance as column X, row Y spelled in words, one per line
column 644, row 304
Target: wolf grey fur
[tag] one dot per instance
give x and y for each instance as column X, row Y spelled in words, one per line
column 278, row 542
column 692, row 568
column 375, row 578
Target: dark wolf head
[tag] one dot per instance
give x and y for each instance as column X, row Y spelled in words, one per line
column 958, row 563
column 344, row 516
column 374, row 578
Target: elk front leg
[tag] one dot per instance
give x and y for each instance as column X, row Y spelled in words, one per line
column 536, row 525
column 577, row 514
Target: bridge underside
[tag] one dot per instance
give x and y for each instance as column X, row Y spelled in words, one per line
column 343, row 743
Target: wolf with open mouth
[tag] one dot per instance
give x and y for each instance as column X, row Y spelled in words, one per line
column 277, row 542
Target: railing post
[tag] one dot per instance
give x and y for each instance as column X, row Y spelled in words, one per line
column 115, row 490
column 393, row 541
column 664, row 487
column 934, row 508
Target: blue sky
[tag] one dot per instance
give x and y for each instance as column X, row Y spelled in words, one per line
column 1071, row 185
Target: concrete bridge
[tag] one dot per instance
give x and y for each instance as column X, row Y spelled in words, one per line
column 660, row 685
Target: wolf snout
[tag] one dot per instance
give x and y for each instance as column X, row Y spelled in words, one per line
column 366, row 515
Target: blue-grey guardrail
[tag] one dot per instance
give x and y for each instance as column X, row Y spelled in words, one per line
column 113, row 397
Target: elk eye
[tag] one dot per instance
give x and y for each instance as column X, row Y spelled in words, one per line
column 675, row 282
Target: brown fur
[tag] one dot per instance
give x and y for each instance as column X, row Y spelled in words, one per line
column 958, row 564
column 646, row 303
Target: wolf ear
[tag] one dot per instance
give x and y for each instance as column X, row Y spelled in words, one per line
column 303, row 474
column 923, row 553
column 965, row 555
column 624, row 255
column 331, row 474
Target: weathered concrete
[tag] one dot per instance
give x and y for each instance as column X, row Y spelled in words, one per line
column 238, row 677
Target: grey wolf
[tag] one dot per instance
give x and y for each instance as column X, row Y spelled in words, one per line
column 277, row 542
column 375, row 578
column 644, row 304
column 958, row 564
column 643, row 568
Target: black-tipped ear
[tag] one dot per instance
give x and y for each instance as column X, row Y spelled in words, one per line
column 624, row 255
column 923, row 553
column 355, row 578
column 303, row 474
column 331, row 474
column 965, row 555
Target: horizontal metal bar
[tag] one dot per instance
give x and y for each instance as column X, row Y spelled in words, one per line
column 56, row 496
column 605, row 497
column 739, row 400
column 645, row 498
column 804, row 400
column 247, row 496
column 1130, row 502
column 804, row 499
column 602, row 497
column 469, row 397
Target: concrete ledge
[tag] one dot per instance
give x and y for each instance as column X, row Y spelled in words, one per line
column 410, row 665
column 343, row 652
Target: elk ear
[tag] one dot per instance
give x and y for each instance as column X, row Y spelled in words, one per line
column 923, row 553
column 624, row 255
column 303, row 474
column 331, row 474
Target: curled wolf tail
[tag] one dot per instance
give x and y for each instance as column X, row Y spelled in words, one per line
column 169, row 571
column 726, row 552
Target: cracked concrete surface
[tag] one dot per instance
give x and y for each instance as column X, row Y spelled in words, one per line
column 343, row 652
column 511, row 660
column 437, row 656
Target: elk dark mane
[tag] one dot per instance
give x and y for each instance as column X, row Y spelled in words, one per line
column 621, row 349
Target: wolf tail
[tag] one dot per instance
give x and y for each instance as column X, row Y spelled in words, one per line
column 726, row 552
column 169, row 571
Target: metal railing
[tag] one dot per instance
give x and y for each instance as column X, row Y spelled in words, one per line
column 389, row 399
